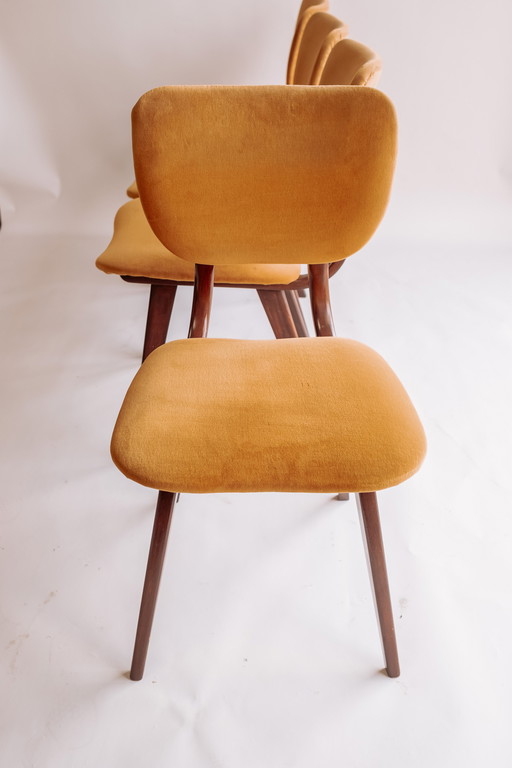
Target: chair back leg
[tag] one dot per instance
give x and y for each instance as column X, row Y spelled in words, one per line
column 161, row 302
column 369, row 511
column 292, row 297
column 278, row 313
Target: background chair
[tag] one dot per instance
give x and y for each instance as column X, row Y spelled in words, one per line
column 309, row 173
column 351, row 63
column 307, row 9
column 320, row 34
column 137, row 255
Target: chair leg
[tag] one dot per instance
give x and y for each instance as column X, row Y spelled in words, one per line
column 369, row 511
column 301, row 293
column 161, row 301
column 278, row 313
column 342, row 496
column 162, row 524
column 292, row 298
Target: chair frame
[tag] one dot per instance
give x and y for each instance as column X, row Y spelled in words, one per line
column 318, row 282
column 280, row 302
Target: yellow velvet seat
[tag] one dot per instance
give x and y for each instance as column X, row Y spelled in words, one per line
column 135, row 250
column 307, row 415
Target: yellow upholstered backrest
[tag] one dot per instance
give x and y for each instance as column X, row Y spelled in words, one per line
column 264, row 174
column 350, row 63
column 307, row 9
column 320, row 35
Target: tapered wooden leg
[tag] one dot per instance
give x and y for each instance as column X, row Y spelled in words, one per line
column 278, row 313
column 163, row 516
column 161, row 301
column 369, row 512
column 292, row 298
column 342, row 496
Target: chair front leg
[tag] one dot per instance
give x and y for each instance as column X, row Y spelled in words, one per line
column 161, row 302
column 369, row 511
column 278, row 313
column 162, row 524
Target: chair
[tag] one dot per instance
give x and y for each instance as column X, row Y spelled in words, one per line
column 320, row 34
column 307, row 9
column 137, row 255
column 267, row 172
column 349, row 62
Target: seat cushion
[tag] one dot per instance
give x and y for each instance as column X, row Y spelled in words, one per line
column 314, row 414
column 134, row 250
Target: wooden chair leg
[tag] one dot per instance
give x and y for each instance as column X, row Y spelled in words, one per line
column 161, row 301
column 292, row 298
column 342, row 496
column 278, row 313
column 162, row 524
column 369, row 512
column 301, row 293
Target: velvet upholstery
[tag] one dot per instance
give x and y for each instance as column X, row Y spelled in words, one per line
column 313, row 170
column 350, row 63
column 135, row 250
column 132, row 190
column 308, row 415
column 307, row 10
column 321, row 34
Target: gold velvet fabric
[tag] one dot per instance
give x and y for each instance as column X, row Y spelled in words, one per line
column 308, row 415
column 132, row 190
column 135, row 250
column 301, row 170
column 350, row 63
column 321, row 34
column 307, row 10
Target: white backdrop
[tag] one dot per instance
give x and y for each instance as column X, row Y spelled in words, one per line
column 265, row 647
column 71, row 71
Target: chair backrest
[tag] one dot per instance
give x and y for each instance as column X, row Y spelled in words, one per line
column 307, row 9
column 321, row 34
column 350, row 63
column 268, row 174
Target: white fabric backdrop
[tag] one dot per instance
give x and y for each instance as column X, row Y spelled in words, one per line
column 265, row 650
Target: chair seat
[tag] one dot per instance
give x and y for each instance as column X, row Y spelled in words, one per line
column 307, row 415
column 136, row 251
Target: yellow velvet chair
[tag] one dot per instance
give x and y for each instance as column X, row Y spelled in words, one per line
column 307, row 9
column 267, row 173
column 320, row 34
column 137, row 255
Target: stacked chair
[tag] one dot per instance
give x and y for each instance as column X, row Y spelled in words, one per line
column 237, row 183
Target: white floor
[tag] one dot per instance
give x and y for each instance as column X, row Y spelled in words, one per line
column 265, row 649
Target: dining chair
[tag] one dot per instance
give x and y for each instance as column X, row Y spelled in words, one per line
column 349, row 62
column 307, row 9
column 138, row 256
column 236, row 174
column 320, row 34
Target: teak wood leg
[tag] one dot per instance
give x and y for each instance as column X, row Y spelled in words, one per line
column 369, row 512
column 292, row 298
column 161, row 301
column 278, row 313
column 162, row 524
